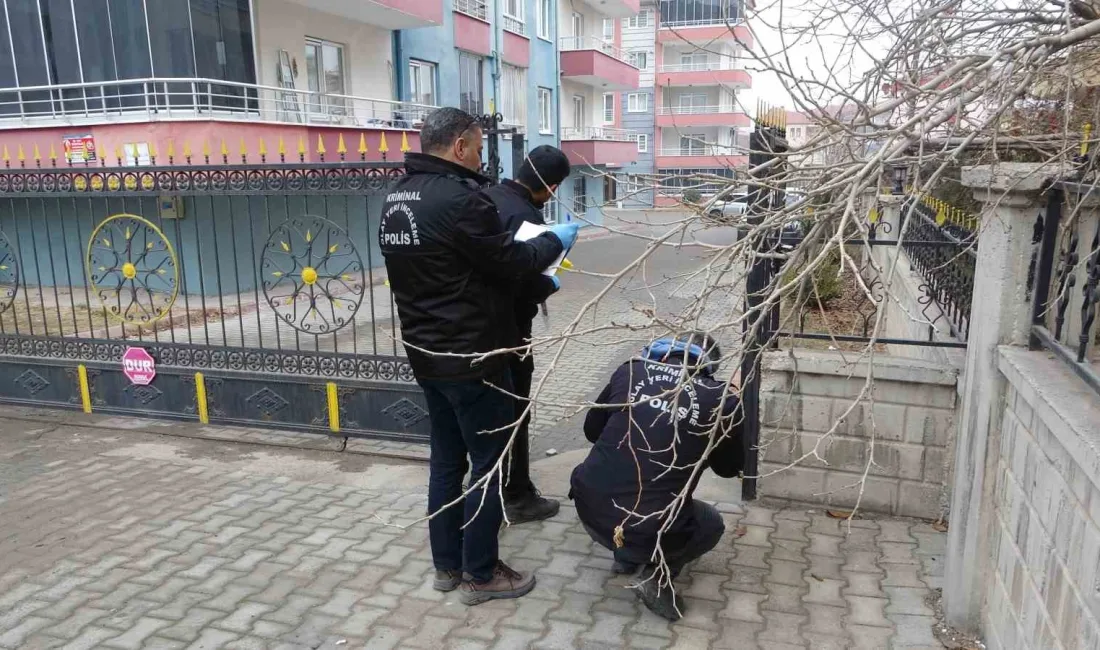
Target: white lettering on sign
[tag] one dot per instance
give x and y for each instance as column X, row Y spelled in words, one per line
column 139, row 366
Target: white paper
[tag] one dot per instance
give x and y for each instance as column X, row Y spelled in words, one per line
column 528, row 230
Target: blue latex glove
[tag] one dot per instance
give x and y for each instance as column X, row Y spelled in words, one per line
column 556, row 281
column 566, row 233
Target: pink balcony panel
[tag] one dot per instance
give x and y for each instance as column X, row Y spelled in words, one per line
column 706, row 34
column 599, row 70
column 472, row 35
column 389, row 14
column 517, row 50
column 703, row 119
column 428, row 10
column 701, row 162
column 609, row 153
column 739, row 79
column 616, row 8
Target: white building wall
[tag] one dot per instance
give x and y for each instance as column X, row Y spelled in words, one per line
column 642, row 39
column 368, row 49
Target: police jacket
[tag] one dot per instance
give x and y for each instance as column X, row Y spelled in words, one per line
column 451, row 264
column 515, row 205
column 663, row 428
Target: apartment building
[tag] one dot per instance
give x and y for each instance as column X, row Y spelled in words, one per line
column 134, row 77
column 639, row 106
column 594, row 71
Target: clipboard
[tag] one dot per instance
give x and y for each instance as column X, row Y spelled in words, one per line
column 528, row 230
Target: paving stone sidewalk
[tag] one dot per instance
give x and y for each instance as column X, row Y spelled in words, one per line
column 103, row 545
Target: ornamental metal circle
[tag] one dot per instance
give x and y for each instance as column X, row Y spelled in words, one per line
column 9, row 273
column 313, row 276
column 132, row 269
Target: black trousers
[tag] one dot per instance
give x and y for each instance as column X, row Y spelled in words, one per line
column 707, row 533
column 519, row 483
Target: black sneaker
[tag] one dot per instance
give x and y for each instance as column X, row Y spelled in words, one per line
column 624, row 568
column 533, row 507
column 447, row 580
column 659, row 598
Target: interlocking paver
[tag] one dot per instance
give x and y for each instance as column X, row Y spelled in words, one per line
column 177, row 554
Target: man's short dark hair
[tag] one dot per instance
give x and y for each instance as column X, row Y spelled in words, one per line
column 443, row 126
column 543, row 167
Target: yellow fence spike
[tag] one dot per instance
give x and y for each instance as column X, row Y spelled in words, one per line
column 405, row 148
column 186, row 149
column 171, row 148
column 224, row 149
column 362, row 143
column 244, row 148
column 341, row 148
column 152, row 150
column 53, row 153
column 301, row 146
column 1087, row 133
column 7, row 155
column 382, row 146
column 118, row 152
column 282, row 146
column 20, row 155
column 263, row 148
column 320, row 145
column 206, row 148
column 37, row 153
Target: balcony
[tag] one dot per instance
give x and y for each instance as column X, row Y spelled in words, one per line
column 594, row 145
column 615, row 8
column 596, row 63
column 675, row 116
column 390, row 14
column 703, row 74
column 158, row 100
column 702, row 157
column 705, row 32
column 474, row 8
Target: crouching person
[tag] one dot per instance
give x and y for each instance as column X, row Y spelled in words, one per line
column 664, row 413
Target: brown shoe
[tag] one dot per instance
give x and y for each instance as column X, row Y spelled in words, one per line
column 447, row 580
column 505, row 583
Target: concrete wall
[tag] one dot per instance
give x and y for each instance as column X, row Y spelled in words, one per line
column 906, row 425
column 1043, row 590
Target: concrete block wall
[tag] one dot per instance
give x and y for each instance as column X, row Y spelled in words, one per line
column 1043, row 587
column 905, row 424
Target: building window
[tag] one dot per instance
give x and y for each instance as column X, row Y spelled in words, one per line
column 693, row 103
column 514, row 95
column 471, row 90
column 514, row 15
column 637, row 102
column 422, row 82
column 325, row 76
column 692, row 144
column 609, row 108
column 643, row 143
column 544, row 19
column 580, row 199
column 640, row 19
column 639, row 59
column 546, row 111
column 608, row 30
column 550, row 211
column 677, row 13
column 580, row 115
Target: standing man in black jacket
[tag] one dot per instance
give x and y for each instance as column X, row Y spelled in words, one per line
column 662, row 414
column 518, row 201
column 450, row 262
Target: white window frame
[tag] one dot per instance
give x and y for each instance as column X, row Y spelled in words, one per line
column 608, row 111
column 637, row 103
column 607, row 30
column 643, row 143
column 514, row 94
column 693, row 144
column 580, row 112
column 546, row 110
column 638, row 20
column 633, row 56
column 544, row 18
column 426, row 67
column 521, row 6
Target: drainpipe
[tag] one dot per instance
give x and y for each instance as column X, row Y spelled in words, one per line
column 498, row 55
column 398, row 68
column 556, row 35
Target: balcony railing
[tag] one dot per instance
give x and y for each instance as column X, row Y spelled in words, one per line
column 702, row 22
column 695, row 110
column 515, row 25
column 476, row 8
column 156, row 99
column 698, row 66
column 704, row 150
column 577, row 43
column 598, row 133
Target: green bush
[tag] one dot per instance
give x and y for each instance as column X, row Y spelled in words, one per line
column 692, row 196
column 825, row 277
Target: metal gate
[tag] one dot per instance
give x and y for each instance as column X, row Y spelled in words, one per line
column 940, row 242
column 254, row 288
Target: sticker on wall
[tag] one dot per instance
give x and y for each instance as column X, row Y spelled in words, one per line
column 79, row 149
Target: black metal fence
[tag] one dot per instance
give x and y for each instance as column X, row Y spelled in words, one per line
column 1064, row 281
column 255, row 288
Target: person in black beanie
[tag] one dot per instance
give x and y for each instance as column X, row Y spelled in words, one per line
column 517, row 201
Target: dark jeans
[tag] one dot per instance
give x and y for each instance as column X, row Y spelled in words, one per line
column 708, row 531
column 518, row 467
column 460, row 412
